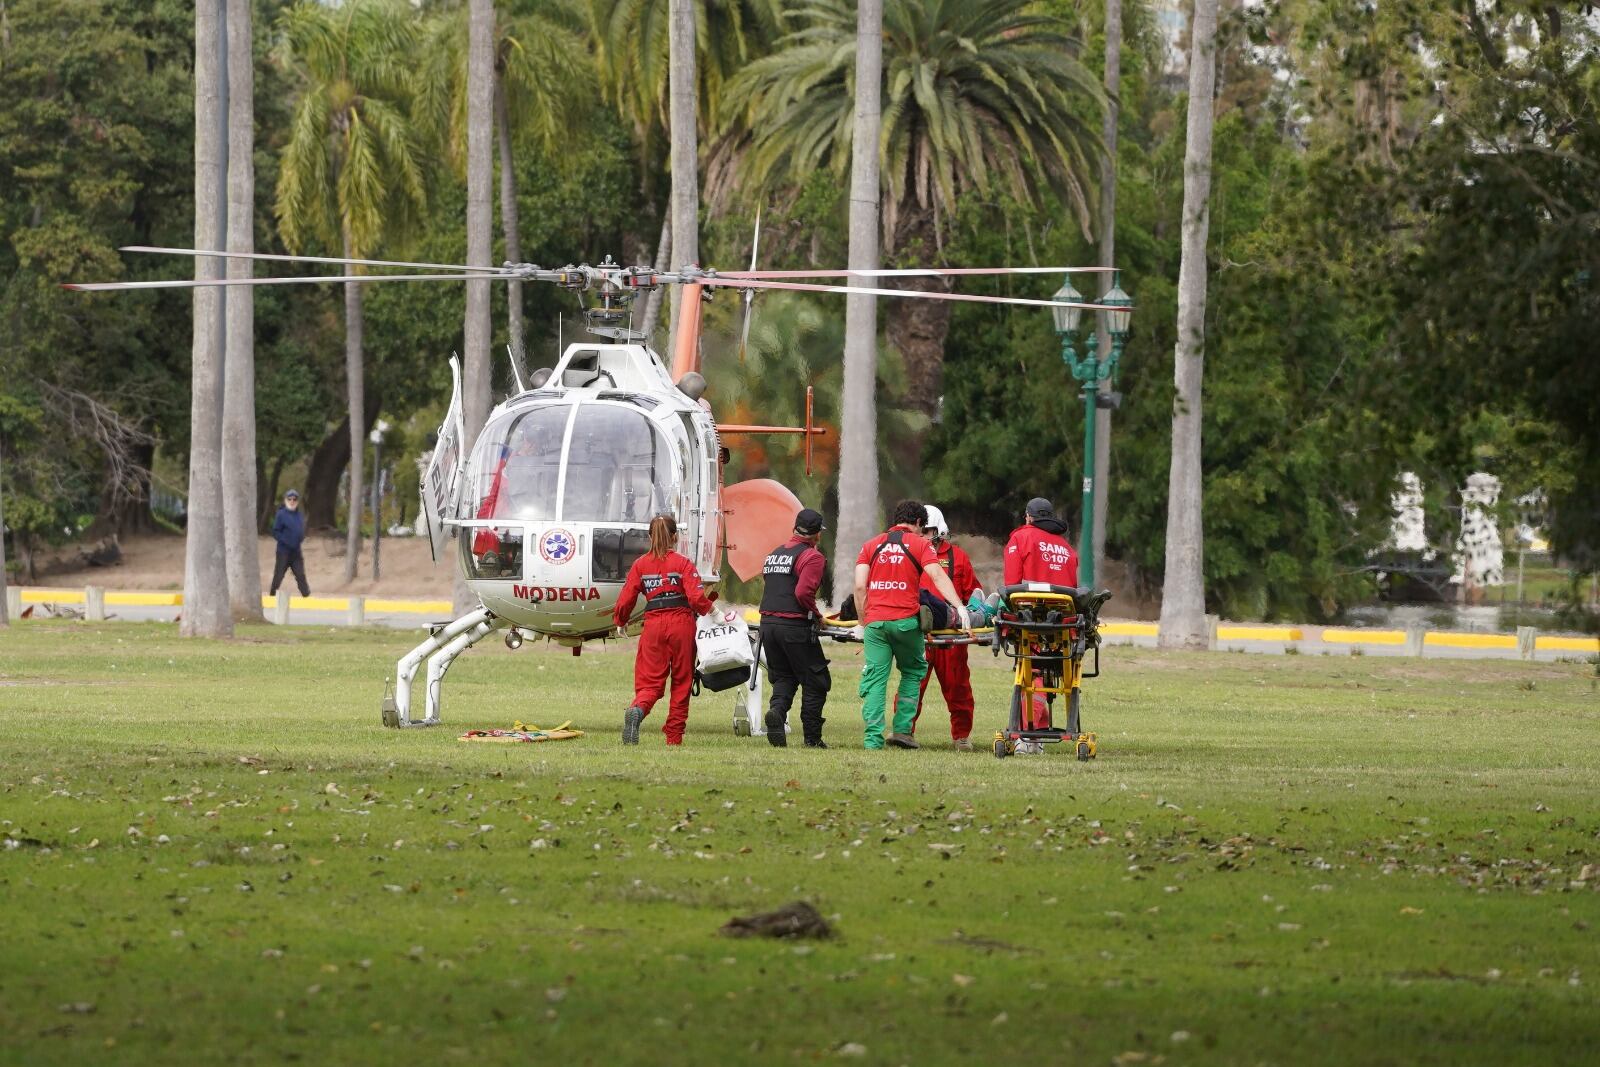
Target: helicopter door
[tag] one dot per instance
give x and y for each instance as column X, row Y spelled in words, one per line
column 441, row 482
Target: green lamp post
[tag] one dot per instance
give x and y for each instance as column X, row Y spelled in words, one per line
column 1091, row 371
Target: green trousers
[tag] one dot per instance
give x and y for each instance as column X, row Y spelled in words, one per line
column 896, row 642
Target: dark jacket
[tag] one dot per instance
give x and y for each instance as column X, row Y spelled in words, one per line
column 289, row 529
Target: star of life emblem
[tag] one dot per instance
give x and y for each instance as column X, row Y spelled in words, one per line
column 557, row 546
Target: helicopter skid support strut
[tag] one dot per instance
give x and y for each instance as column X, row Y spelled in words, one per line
column 440, row 649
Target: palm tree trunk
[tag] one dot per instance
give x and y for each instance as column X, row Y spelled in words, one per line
column 205, row 570
column 509, row 224
column 1183, row 602
column 858, row 443
column 685, row 204
column 4, row 610
column 652, row 300
column 239, row 401
column 1108, row 254
column 356, row 386
column 480, row 227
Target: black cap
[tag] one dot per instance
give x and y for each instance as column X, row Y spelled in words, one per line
column 809, row 522
column 1039, row 508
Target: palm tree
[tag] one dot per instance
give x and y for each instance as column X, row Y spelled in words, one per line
column 685, row 202
column 205, row 570
column 979, row 96
column 632, row 40
column 4, row 602
column 1183, row 595
column 541, row 87
column 352, row 170
column 858, row 474
column 633, row 53
column 239, row 381
column 1108, row 258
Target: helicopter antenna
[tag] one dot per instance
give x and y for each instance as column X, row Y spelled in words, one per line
column 750, row 294
column 516, row 371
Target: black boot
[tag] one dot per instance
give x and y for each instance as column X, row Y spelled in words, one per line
column 777, row 732
column 814, row 734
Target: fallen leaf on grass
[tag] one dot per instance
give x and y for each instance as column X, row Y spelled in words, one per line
column 962, row 980
column 1409, row 910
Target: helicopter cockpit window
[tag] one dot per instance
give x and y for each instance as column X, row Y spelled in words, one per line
column 620, row 467
column 516, row 466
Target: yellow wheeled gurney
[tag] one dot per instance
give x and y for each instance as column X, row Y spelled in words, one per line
column 1047, row 630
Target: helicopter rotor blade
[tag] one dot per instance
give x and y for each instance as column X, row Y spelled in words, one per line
column 750, row 294
column 280, row 258
column 751, row 283
column 192, row 283
column 910, row 272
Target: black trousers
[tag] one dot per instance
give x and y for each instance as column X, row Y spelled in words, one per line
column 795, row 661
column 290, row 559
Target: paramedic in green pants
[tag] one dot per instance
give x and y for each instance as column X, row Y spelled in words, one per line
column 888, row 575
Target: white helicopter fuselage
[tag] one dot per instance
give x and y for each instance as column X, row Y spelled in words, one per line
column 552, row 503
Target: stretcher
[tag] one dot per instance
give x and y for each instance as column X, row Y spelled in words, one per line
column 749, row 709
column 1047, row 630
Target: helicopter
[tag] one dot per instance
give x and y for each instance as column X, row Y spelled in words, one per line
column 550, row 504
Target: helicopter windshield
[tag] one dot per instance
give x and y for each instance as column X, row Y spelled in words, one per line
column 619, row 467
column 516, row 468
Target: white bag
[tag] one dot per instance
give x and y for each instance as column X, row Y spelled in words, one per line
column 722, row 642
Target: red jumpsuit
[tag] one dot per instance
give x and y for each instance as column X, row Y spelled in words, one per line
column 673, row 597
column 949, row 662
column 1037, row 554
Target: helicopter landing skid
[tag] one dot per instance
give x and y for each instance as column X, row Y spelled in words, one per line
column 440, row 650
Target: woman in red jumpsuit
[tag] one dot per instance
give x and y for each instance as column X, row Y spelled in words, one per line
column 673, row 597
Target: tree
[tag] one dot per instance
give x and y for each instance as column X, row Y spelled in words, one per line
column 1183, row 603
column 1108, row 258
column 858, row 467
column 685, row 202
column 480, row 231
column 205, row 571
column 541, row 75
column 981, row 97
column 352, row 170
column 239, row 382
column 4, row 605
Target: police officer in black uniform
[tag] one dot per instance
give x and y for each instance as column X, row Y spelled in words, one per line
column 789, row 614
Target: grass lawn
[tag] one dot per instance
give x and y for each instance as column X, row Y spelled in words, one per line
column 215, row 854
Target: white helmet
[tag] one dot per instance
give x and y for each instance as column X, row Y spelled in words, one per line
column 936, row 523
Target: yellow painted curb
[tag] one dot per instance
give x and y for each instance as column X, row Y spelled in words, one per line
column 1259, row 633
column 1369, row 637
column 145, row 600
column 52, row 596
column 1129, row 629
column 412, row 607
column 1568, row 644
column 1446, row 640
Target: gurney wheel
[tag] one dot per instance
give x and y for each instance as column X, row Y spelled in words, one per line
column 1002, row 748
column 741, row 727
column 1085, row 753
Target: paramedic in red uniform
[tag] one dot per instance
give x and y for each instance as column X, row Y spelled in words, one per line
column 889, row 574
column 1038, row 549
column 1038, row 552
column 791, row 575
column 673, row 597
column 949, row 662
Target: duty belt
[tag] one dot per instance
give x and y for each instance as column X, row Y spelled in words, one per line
column 666, row 600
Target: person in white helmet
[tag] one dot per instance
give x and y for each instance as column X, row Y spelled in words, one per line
column 949, row 662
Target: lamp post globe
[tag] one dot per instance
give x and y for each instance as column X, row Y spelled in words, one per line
column 1117, row 321
column 1067, row 318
